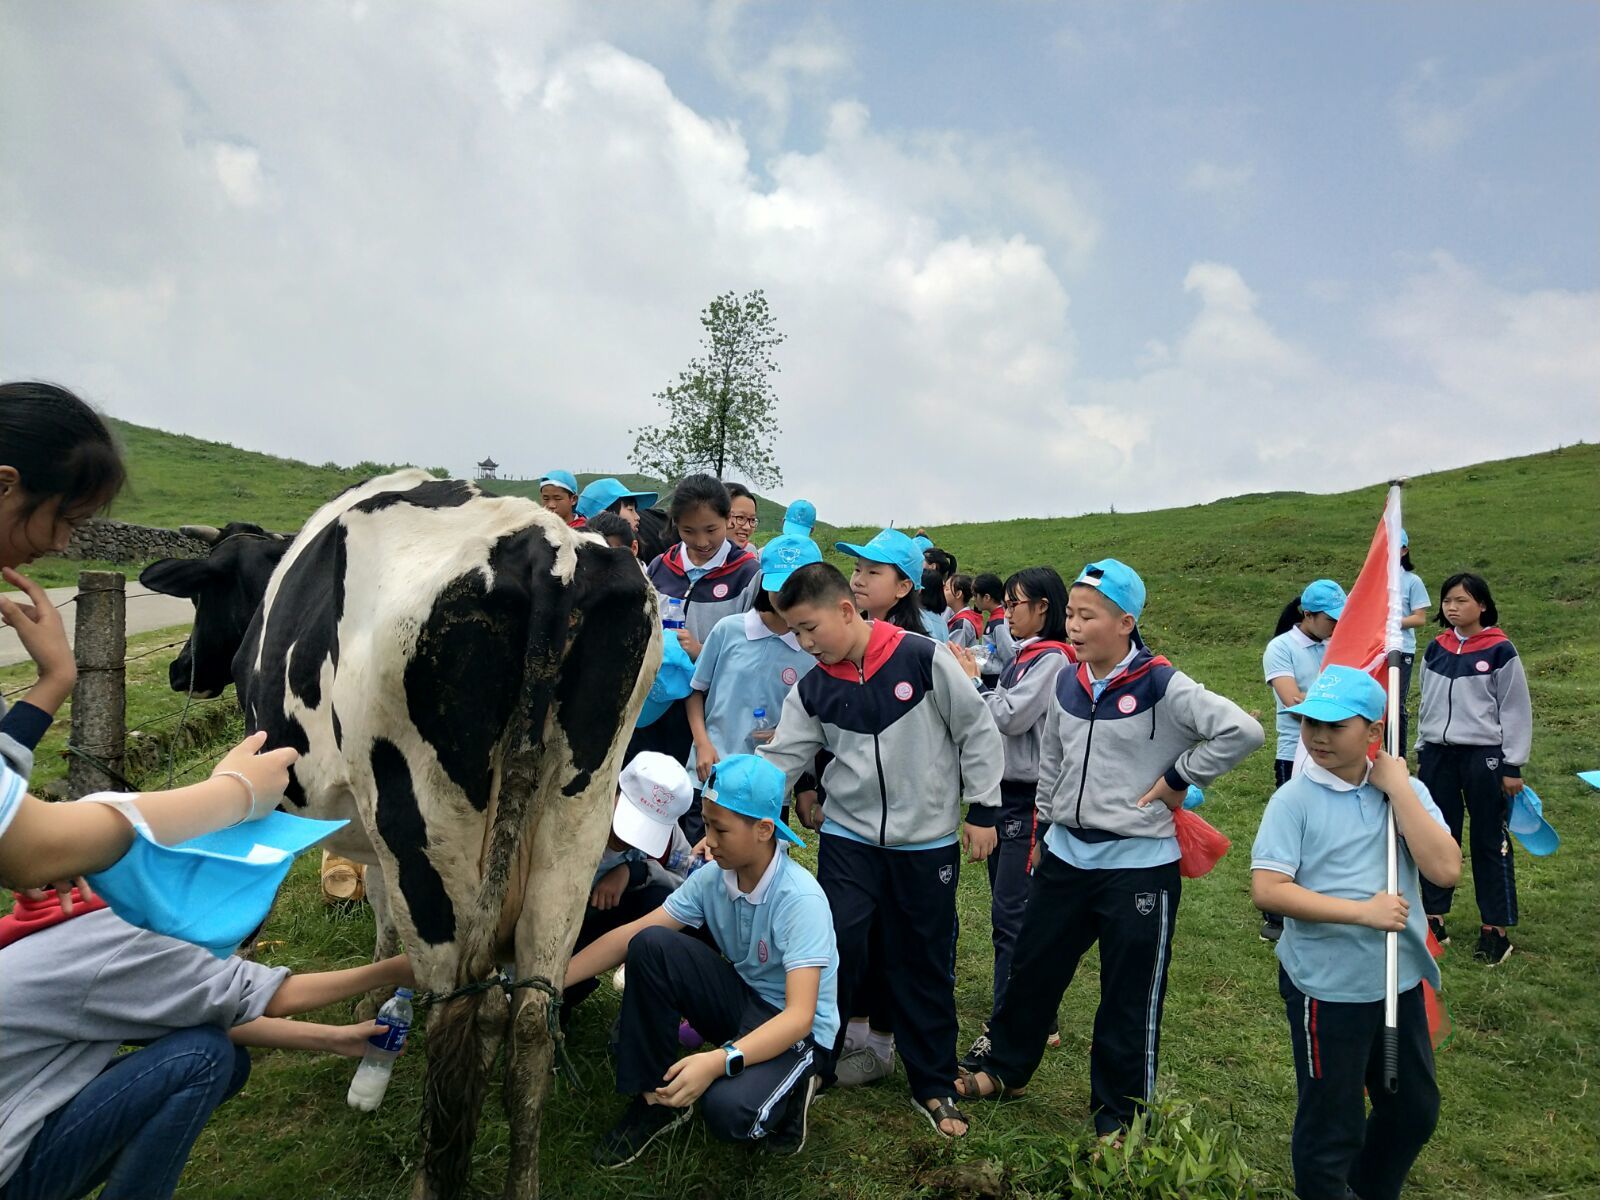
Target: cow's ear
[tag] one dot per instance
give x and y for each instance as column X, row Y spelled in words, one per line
column 183, row 577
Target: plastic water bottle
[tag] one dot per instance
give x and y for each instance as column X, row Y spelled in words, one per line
column 672, row 615
column 372, row 1076
column 763, row 729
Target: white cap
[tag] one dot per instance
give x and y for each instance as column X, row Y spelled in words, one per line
column 655, row 792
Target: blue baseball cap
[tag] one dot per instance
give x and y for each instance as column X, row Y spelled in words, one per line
column 1528, row 823
column 1117, row 582
column 892, row 547
column 671, row 682
column 214, row 890
column 560, row 479
column 1340, row 693
column 1323, row 596
column 752, row 787
column 783, row 556
column 923, row 543
column 801, row 518
column 601, row 494
column 1405, row 539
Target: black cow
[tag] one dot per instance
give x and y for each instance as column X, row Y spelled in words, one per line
column 460, row 673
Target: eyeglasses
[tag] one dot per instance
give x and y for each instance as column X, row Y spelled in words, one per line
column 750, row 521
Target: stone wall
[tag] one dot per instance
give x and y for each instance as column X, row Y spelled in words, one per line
column 106, row 540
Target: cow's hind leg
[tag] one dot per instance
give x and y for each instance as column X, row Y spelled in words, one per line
column 386, row 943
column 569, row 830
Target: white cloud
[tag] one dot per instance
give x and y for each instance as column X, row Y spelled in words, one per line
column 1218, row 181
column 239, row 172
column 1435, row 112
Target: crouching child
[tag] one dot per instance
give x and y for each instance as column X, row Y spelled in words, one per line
column 769, row 1004
column 1321, row 859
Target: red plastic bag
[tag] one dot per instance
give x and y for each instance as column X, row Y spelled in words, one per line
column 1200, row 844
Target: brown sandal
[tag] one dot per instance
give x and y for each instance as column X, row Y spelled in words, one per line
column 968, row 1087
column 945, row 1110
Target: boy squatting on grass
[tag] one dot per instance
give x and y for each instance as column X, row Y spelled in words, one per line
column 771, row 1003
column 1321, row 859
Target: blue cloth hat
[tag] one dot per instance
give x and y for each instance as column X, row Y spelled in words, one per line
column 752, row 787
column 671, row 682
column 1117, row 582
column 923, row 543
column 1323, row 596
column 800, row 518
column 783, row 556
column 1194, row 797
column 214, row 890
column 1528, row 823
column 1405, row 539
column 561, row 479
column 1340, row 693
column 892, row 547
column 601, row 494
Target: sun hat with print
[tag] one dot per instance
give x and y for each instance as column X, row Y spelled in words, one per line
column 923, row 543
column 889, row 546
column 1339, row 693
column 752, row 787
column 1323, row 596
column 654, row 791
column 1526, row 820
column 783, row 556
column 800, row 518
column 601, row 494
column 1117, row 582
column 562, row 479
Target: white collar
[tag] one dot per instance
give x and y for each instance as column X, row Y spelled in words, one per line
column 757, row 894
column 755, row 629
column 1116, row 670
column 1301, row 636
column 1329, row 780
column 712, row 563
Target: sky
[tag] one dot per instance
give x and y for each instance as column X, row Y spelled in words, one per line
column 1030, row 258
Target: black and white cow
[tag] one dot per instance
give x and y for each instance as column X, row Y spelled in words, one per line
column 460, row 673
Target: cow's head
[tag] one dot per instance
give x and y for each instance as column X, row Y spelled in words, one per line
column 227, row 587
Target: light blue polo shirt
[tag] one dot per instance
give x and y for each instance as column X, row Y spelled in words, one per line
column 1328, row 836
column 744, row 666
column 1118, row 854
column 13, row 788
column 938, row 629
column 1414, row 595
column 695, row 574
column 783, row 924
column 1296, row 656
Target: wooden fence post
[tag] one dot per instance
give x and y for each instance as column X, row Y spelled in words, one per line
column 100, row 697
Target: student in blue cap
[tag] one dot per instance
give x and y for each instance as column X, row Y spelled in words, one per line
column 558, row 492
column 1291, row 663
column 800, row 518
column 609, row 495
column 1474, row 735
column 74, row 1113
column 1321, row 859
column 912, row 743
column 1416, row 605
column 886, row 583
column 770, row 1004
column 1126, row 736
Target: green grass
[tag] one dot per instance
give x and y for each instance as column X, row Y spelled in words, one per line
column 1521, row 1096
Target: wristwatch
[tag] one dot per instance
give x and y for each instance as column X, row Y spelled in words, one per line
column 735, row 1063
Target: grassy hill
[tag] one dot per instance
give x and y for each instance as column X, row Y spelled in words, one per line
column 1519, row 1078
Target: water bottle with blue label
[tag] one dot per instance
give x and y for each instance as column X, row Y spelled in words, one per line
column 763, row 729
column 372, row 1076
column 672, row 613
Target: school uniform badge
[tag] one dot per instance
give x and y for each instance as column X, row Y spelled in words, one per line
column 1145, row 903
column 761, row 950
column 946, row 873
column 1126, row 705
column 790, row 677
column 902, row 690
column 1481, row 665
column 720, row 591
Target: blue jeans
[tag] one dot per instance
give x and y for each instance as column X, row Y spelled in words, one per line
column 132, row 1127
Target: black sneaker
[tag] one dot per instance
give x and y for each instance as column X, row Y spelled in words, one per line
column 1494, row 947
column 1271, row 928
column 1440, row 933
column 978, row 1053
column 788, row 1136
column 640, row 1125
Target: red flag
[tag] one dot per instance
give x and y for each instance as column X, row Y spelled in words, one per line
column 1370, row 625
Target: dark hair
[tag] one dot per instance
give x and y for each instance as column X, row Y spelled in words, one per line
column 942, row 560
column 1405, row 559
column 695, row 490
column 736, row 490
column 932, row 590
column 1291, row 616
column 906, row 613
column 763, row 601
column 815, row 584
column 1477, row 588
column 961, row 585
column 988, row 584
column 609, row 525
column 1043, row 583
column 60, row 447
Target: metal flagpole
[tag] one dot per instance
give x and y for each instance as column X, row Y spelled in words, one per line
column 1391, row 941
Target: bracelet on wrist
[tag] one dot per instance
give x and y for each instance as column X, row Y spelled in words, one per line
column 249, row 793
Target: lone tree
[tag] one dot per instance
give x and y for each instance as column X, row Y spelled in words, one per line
column 721, row 412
